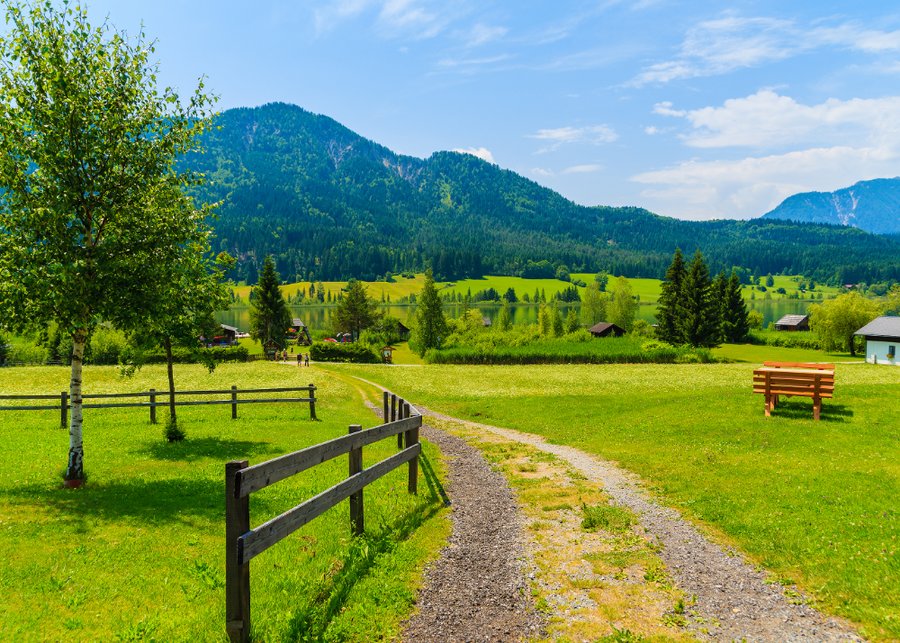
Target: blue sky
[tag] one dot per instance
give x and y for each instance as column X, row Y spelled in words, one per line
column 696, row 110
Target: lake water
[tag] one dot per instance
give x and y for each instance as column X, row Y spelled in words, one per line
column 319, row 317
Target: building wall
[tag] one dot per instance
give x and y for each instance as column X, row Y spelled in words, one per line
column 877, row 351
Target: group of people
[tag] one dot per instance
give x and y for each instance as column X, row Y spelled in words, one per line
column 302, row 359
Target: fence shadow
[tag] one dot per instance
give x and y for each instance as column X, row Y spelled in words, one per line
column 310, row 622
column 435, row 488
column 192, row 449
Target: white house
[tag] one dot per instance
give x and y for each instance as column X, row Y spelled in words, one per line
column 882, row 340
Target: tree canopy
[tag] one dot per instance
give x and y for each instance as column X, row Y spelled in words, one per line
column 356, row 311
column 835, row 320
column 431, row 324
column 93, row 206
column 270, row 318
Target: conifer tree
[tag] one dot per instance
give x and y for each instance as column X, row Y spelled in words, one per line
column 557, row 319
column 700, row 322
column 270, row 318
column 572, row 321
column 504, row 319
column 356, row 311
column 431, row 325
column 669, row 312
column 735, row 320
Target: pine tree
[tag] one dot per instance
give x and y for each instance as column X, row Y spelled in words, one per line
column 572, row 321
column 735, row 321
column 270, row 318
column 557, row 319
column 431, row 325
column 356, row 311
column 669, row 312
column 700, row 321
column 504, row 319
column 719, row 289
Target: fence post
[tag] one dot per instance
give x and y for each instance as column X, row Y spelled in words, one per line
column 237, row 577
column 153, row 406
column 393, row 407
column 312, row 402
column 233, row 402
column 412, row 437
column 386, row 406
column 64, row 409
column 357, row 521
column 399, row 417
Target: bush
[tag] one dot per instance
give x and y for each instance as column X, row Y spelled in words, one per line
column 785, row 339
column 346, row 352
column 181, row 355
column 107, row 345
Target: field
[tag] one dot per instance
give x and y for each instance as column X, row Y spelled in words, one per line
column 812, row 502
column 138, row 553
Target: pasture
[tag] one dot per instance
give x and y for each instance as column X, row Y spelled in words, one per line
column 812, row 502
column 138, row 553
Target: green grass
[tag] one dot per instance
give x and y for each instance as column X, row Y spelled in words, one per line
column 813, row 502
column 139, row 551
column 757, row 354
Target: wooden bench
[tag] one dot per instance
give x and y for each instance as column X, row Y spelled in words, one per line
column 794, row 378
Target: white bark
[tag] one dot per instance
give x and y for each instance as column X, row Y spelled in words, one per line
column 75, row 469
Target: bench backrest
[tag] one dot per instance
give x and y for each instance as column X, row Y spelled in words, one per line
column 813, row 365
column 808, row 383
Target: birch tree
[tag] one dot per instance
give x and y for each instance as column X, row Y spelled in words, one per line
column 92, row 205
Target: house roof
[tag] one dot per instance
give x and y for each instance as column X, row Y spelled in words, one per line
column 602, row 327
column 297, row 322
column 402, row 327
column 886, row 327
column 792, row 320
column 231, row 328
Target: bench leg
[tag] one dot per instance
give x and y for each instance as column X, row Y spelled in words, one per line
column 817, row 407
column 774, row 401
column 768, row 405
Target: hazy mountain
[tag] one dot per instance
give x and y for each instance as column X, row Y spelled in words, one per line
column 873, row 206
column 329, row 204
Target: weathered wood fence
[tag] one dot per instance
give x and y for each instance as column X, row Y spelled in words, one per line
column 160, row 398
column 242, row 543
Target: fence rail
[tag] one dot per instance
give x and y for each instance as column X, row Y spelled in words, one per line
column 242, row 543
column 160, row 398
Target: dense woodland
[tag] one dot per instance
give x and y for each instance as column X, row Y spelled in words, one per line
column 331, row 205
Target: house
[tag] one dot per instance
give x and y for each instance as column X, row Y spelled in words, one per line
column 228, row 335
column 403, row 332
column 606, row 329
column 300, row 331
column 793, row 322
column 882, row 339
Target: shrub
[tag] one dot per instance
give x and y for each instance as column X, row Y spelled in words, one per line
column 348, row 352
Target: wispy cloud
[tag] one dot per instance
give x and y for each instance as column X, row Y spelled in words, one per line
column 415, row 19
column 587, row 168
column 481, row 152
column 593, row 135
column 481, row 34
column 732, row 42
column 452, row 63
column 767, row 119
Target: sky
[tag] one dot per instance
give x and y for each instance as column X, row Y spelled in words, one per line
column 696, row 110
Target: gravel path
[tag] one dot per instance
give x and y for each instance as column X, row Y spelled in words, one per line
column 733, row 601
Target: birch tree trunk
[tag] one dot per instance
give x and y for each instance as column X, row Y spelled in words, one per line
column 75, row 470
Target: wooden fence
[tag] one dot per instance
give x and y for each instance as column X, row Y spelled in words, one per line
column 242, row 543
column 160, row 398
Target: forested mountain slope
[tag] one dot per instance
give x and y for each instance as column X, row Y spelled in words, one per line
column 329, row 204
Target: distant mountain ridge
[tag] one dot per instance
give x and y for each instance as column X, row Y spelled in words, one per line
column 329, row 204
column 873, row 206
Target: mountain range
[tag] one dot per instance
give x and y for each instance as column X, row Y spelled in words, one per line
column 329, row 204
column 873, row 206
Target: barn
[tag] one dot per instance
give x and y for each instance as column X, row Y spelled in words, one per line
column 606, row 329
column 793, row 322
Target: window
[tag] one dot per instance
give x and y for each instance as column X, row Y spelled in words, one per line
column 892, row 351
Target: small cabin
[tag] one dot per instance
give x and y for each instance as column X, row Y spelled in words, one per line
column 793, row 322
column 227, row 336
column 882, row 340
column 387, row 354
column 606, row 329
column 403, row 331
column 300, row 331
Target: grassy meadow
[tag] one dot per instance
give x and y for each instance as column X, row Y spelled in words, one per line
column 812, row 502
column 138, row 553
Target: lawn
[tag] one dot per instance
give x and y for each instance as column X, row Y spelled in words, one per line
column 757, row 353
column 811, row 502
column 138, row 553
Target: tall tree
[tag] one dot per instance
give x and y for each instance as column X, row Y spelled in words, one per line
column 593, row 304
column 622, row 308
column 92, row 204
column 700, row 321
column 356, row 311
column 431, row 325
column 669, row 313
column 504, row 319
column 735, row 318
column 835, row 320
column 270, row 318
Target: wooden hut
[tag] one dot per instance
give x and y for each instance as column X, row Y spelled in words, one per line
column 228, row 335
column 301, row 332
column 403, row 331
column 606, row 329
column 793, row 322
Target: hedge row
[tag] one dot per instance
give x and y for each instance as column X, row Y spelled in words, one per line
column 345, row 352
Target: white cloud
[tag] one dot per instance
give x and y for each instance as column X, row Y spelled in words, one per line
column 451, row 63
column 481, row 152
column 416, row 19
column 651, row 130
column 749, row 187
column 719, row 46
column 587, row 168
column 592, row 134
column 541, row 171
column 481, row 34
column 767, row 119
